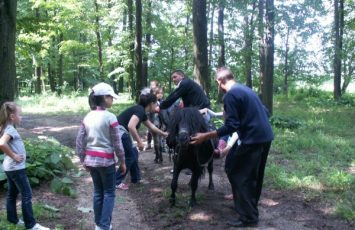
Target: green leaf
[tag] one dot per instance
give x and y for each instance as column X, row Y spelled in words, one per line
column 56, row 185
column 55, row 158
column 2, row 174
column 50, row 208
column 67, row 180
column 85, row 210
column 34, row 180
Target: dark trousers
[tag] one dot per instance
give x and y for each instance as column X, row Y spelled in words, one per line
column 18, row 183
column 131, row 155
column 104, row 194
column 245, row 166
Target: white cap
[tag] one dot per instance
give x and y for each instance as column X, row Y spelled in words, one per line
column 103, row 89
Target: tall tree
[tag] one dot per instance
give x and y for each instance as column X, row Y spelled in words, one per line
column 138, row 48
column 248, row 32
column 7, row 49
column 200, row 43
column 131, row 77
column 221, row 55
column 99, row 40
column 147, row 42
column 261, row 6
column 60, row 66
column 267, row 86
column 338, row 44
column 210, row 50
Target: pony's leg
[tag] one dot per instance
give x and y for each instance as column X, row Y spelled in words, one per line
column 210, row 171
column 174, row 183
column 160, row 149
column 194, row 184
column 156, row 148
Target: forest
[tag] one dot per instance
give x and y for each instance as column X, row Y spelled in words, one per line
column 297, row 55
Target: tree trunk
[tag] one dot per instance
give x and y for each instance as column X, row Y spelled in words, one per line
column 211, row 11
column 267, row 90
column 172, row 60
column 186, row 46
column 51, row 78
column 38, row 80
column 221, row 56
column 7, row 50
column 338, row 34
column 99, row 41
column 147, row 43
column 261, row 44
column 200, row 43
column 348, row 74
column 138, row 48
column 286, row 70
column 60, row 68
column 248, row 49
column 131, row 77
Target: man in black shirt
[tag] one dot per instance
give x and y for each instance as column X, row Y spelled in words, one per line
column 245, row 162
column 188, row 90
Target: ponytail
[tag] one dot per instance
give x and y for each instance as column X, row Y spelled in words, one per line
column 6, row 110
column 95, row 101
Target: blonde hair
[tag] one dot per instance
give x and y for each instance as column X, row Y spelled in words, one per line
column 6, row 110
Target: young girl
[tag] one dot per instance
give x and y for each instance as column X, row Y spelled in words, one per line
column 97, row 141
column 14, row 166
column 130, row 120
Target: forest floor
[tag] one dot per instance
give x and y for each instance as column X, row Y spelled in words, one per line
column 146, row 205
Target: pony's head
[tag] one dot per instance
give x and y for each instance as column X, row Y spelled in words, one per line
column 183, row 124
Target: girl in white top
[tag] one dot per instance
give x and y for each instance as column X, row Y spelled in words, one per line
column 15, row 167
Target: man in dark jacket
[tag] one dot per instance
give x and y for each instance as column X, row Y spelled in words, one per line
column 245, row 162
column 189, row 91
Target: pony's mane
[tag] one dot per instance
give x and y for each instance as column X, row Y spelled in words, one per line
column 190, row 116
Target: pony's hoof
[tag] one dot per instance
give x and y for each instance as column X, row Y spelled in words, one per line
column 192, row 203
column 172, row 202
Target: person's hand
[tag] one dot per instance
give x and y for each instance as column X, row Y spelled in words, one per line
column 198, row 138
column 157, row 109
column 225, row 151
column 203, row 111
column 165, row 134
column 18, row 158
column 140, row 146
column 122, row 167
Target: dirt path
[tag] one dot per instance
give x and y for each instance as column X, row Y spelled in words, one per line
column 146, row 206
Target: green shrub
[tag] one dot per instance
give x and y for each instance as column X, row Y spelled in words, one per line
column 285, row 122
column 48, row 160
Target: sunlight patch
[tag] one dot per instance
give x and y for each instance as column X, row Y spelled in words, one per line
column 269, row 202
column 201, row 216
column 156, row 190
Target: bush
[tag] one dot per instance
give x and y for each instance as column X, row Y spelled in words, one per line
column 285, row 122
column 48, row 160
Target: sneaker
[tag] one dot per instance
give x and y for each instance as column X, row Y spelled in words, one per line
column 122, row 186
column 38, row 227
column 228, row 197
column 98, row 228
column 20, row 223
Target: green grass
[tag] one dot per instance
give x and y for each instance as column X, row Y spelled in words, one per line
column 318, row 157
column 51, row 104
column 40, row 211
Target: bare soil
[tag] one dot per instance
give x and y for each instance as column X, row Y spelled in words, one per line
column 146, row 205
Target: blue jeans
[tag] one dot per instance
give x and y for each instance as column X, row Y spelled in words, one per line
column 18, row 183
column 131, row 155
column 104, row 194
